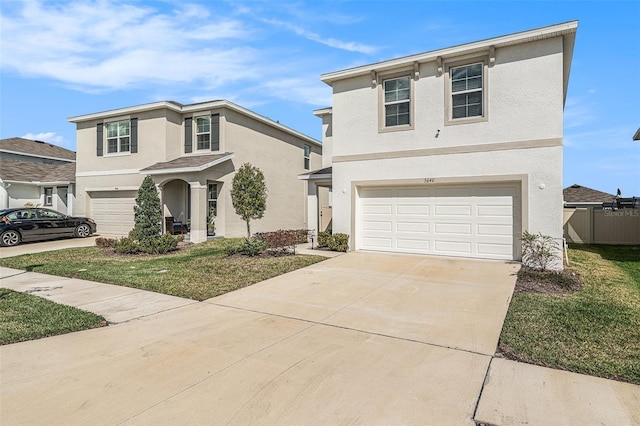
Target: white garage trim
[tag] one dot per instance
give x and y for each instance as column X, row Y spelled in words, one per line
column 473, row 220
column 113, row 211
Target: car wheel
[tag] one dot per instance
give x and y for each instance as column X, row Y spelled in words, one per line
column 10, row 238
column 83, row 230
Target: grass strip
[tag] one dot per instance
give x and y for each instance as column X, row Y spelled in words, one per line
column 26, row 317
column 594, row 331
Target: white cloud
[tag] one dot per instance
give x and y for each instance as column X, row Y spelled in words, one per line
column 109, row 45
column 350, row 46
column 50, row 137
column 578, row 112
column 308, row 90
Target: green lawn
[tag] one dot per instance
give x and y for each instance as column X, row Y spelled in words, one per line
column 200, row 272
column 25, row 317
column 593, row 331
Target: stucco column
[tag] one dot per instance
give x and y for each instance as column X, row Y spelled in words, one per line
column 312, row 207
column 198, row 212
column 71, row 196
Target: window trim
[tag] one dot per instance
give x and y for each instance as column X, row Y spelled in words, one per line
column 195, row 148
column 48, row 203
column 306, row 152
column 117, row 138
column 381, row 78
column 448, row 94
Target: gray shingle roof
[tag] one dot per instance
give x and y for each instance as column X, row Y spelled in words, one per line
column 582, row 194
column 37, row 148
column 23, row 171
column 188, row 162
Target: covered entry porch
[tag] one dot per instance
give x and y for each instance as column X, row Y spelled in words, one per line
column 189, row 189
column 319, row 199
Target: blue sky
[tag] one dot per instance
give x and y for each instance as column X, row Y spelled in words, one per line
column 65, row 58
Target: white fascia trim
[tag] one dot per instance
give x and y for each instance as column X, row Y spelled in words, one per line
column 26, row 154
column 192, row 108
column 482, row 45
column 108, row 173
column 111, row 188
column 56, row 183
column 314, row 177
column 323, row 111
column 188, row 169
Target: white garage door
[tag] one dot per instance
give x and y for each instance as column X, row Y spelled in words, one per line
column 113, row 211
column 472, row 221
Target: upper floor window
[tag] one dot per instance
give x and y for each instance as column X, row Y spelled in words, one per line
column 203, row 133
column 307, row 156
column 397, row 102
column 118, row 136
column 467, row 91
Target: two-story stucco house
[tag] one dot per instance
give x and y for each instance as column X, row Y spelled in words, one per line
column 192, row 153
column 36, row 172
column 451, row 152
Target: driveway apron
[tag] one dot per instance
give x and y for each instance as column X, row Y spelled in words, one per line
column 363, row 338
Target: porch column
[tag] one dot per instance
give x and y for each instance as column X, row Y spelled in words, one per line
column 312, row 207
column 71, row 197
column 198, row 231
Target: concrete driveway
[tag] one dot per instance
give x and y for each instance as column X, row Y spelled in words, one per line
column 363, row 338
column 40, row 246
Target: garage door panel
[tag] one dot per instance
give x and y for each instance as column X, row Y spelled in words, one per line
column 418, row 227
column 453, row 210
column 472, row 221
column 421, row 246
column 453, row 228
column 457, row 248
column 377, row 209
column 494, row 229
column 413, row 210
column 378, row 243
column 371, row 225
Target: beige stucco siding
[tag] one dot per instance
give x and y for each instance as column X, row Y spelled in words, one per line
column 280, row 156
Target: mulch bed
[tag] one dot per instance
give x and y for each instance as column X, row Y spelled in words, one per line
column 547, row 282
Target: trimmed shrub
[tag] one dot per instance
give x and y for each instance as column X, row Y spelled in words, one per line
column 160, row 244
column 105, row 242
column 252, row 246
column 323, row 238
column 126, row 245
column 339, row 242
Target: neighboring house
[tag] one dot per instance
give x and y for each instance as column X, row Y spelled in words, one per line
column 636, row 136
column 596, row 217
column 451, row 152
column 582, row 197
column 36, row 172
column 192, row 153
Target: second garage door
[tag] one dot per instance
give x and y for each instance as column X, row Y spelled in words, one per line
column 113, row 211
column 470, row 221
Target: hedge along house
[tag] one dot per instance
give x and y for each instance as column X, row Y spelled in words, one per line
column 451, row 152
column 36, row 172
column 192, row 153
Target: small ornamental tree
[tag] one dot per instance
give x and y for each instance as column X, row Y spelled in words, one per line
column 148, row 213
column 249, row 194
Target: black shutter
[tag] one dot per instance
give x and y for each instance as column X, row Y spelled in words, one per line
column 188, row 135
column 99, row 141
column 215, row 132
column 134, row 135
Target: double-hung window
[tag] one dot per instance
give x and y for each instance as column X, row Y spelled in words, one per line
column 467, row 91
column 397, row 102
column 307, row 156
column 203, row 133
column 118, row 136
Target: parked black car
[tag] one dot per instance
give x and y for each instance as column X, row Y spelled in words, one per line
column 36, row 224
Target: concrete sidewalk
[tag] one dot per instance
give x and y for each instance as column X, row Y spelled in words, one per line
column 115, row 303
